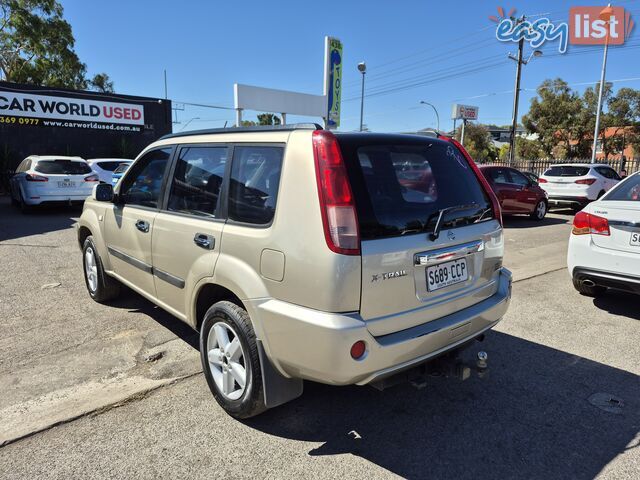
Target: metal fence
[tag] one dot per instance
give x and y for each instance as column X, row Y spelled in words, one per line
column 539, row 165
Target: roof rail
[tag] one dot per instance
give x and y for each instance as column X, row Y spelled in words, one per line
column 256, row 128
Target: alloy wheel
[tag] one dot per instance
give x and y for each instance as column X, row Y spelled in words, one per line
column 227, row 361
column 91, row 269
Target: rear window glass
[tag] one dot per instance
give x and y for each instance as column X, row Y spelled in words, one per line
column 122, row 168
column 62, row 167
column 567, row 171
column 109, row 166
column 400, row 188
column 627, row 191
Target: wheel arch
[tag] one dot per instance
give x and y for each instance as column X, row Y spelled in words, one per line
column 207, row 295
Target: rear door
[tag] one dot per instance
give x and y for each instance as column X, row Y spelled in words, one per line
column 621, row 208
column 561, row 180
column 404, row 268
column 505, row 190
column 187, row 233
column 65, row 178
column 525, row 195
column 129, row 223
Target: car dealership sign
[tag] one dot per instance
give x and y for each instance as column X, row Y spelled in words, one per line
column 464, row 112
column 73, row 111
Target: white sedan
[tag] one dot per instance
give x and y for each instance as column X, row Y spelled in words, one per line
column 51, row 179
column 604, row 248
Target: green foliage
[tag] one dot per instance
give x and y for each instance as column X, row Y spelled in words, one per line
column 37, row 46
column 101, row 83
column 477, row 141
column 528, row 149
column 268, row 119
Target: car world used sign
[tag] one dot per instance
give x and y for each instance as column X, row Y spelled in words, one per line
column 55, row 111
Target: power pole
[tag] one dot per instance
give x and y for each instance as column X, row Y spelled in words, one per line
column 516, row 97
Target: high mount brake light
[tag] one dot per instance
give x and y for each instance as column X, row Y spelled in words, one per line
column 497, row 212
column 586, row 223
column 32, row 177
column 337, row 204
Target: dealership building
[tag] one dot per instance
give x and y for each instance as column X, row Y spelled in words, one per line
column 56, row 121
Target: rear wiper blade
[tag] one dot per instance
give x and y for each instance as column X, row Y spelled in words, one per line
column 442, row 212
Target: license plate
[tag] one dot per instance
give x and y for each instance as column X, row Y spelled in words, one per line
column 447, row 274
column 67, row 184
column 635, row 239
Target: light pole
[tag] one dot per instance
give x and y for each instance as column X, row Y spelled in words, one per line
column 190, row 120
column 362, row 68
column 605, row 14
column 516, row 97
column 422, row 102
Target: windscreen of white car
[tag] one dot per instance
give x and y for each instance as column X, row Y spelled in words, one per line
column 566, row 171
column 628, row 191
column 62, row 167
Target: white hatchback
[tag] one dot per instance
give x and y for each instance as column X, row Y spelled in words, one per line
column 51, row 179
column 104, row 167
column 577, row 184
column 604, row 248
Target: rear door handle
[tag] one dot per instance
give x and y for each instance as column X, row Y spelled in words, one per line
column 142, row 225
column 204, row 241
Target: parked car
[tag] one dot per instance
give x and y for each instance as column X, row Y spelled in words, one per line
column 310, row 262
column 118, row 172
column 516, row 192
column 576, row 184
column 51, row 179
column 604, row 248
column 105, row 167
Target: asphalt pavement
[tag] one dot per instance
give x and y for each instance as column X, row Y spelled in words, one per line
column 91, row 391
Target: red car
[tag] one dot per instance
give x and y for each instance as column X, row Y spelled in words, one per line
column 516, row 192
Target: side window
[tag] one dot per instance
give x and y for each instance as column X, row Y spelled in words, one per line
column 613, row 174
column 499, row 176
column 606, row 172
column 253, row 190
column 143, row 182
column 24, row 166
column 518, row 179
column 197, row 180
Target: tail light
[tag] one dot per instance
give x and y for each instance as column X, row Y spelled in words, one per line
column 92, row 178
column 586, row 223
column 32, row 177
column 586, row 181
column 497, row 212
column 337, row 204
column 542, row 180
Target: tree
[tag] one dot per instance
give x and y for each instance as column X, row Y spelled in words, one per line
column 477, row 141
column 558, row 115
column 268, row 119
column 623, row 120
column 101, row 83
column 528, row 149
column 36, row 45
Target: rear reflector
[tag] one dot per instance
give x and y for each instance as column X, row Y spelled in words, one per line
column 358, row 349
column 337, row 204
column 586, row 223
column 586, row 181
column 32, row 177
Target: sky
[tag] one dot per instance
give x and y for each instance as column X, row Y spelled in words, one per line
column 437, row 52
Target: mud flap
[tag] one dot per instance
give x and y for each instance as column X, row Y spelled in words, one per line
column 277, row 388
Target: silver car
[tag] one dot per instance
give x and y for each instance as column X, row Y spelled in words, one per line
column 300, row 254
column 51, row 179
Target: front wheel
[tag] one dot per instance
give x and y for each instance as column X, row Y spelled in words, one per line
column 540, row 211
column 101, row 287
column 230, row 360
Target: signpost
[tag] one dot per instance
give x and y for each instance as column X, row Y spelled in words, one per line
column 333, row 80
column 463, row 112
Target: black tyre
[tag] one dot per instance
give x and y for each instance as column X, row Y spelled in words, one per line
column 101, row 287
column 230, row 360
column 601, row 194
column 539, row 211
column 24, row 208
column 589, row 291
column 14, row 201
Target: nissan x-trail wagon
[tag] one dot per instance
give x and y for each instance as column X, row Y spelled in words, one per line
column 302, row 254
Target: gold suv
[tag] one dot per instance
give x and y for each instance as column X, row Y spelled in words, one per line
column 300, row 254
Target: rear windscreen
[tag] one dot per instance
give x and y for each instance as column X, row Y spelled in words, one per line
column 122, row 168
column 567, row 171
column 109, row 166
column 62, row 167
column 400, row 188
column 627, row 191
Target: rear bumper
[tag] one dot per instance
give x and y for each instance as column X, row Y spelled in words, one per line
column 56, row 199
column 305, row 343
column 567, row 200
column 617, row 281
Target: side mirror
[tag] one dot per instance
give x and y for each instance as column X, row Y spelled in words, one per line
column 103, row 192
